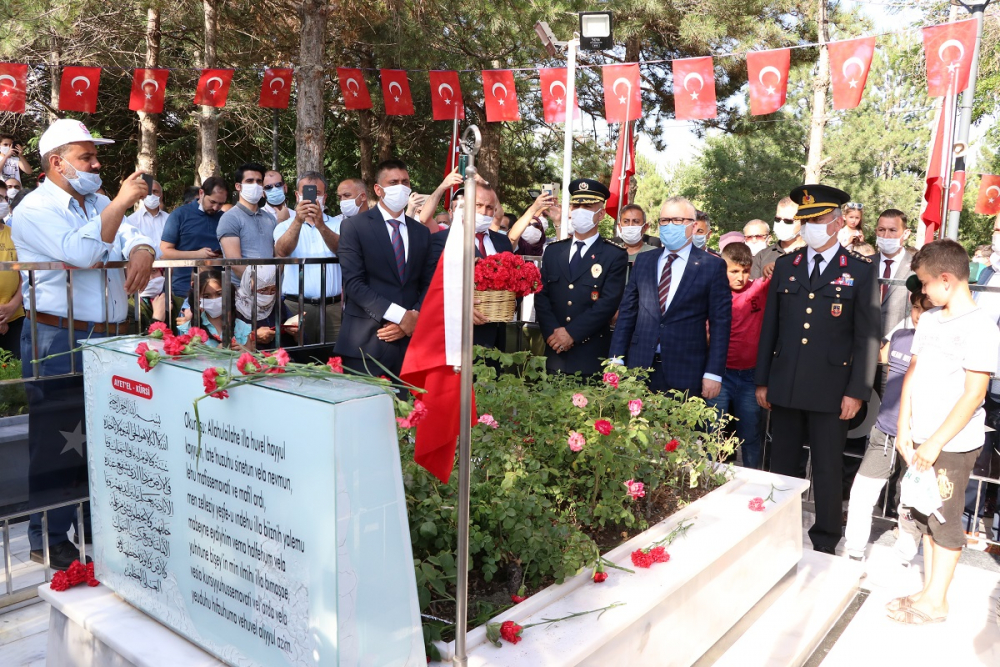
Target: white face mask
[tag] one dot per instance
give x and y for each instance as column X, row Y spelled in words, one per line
column 631, row 235
column 12, row 192
column 395, row 197
column 151, row 202
column 349, row 207
column 583, row 220
column 154, row 286
column 756, row 246
column 785, row 231
column 483, row 222
column 815, row 234
column 212, row 307
column 4, row 150
column 888, row 246
column 531, row 235
column 4, row 209
column 264, row 300
column 251, row 192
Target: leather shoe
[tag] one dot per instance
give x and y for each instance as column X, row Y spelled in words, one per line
column 825, row 550
column 61, row 555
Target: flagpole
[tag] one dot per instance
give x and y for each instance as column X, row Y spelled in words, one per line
column 623, row 175
column 947, row 153
column 568, row 141
column 471, row 141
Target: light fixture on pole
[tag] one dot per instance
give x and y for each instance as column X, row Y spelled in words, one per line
column 595, row 31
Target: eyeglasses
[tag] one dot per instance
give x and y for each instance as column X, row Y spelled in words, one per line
column 787, row 221
column 853, row 205
column 268, row 188
column 758, row 237
column 676, row 221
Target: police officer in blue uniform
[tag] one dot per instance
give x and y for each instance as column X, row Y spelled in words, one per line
column 583, row 278
column 818, row 352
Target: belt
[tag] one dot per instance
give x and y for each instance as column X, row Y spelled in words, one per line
column 313, row 302
column 115, row 329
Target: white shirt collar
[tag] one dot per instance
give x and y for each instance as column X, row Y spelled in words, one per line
column 387, row 216
column 63, row 197
column 827, row 254
column 587, row 243
column 682, row 253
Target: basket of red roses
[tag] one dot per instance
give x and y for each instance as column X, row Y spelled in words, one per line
column 500, row 280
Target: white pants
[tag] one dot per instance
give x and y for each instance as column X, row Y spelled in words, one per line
column 864, row 495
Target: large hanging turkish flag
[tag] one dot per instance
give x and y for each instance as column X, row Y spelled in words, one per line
column 850, row 61
column 213, row 87
column 988, row 202
column 354, row 88
column 948, row 51
column 956, row 190
column 553, row 82
column 694, row 89
column 13, row 83
column 768, row 76
column 622, row 94
column 149, row 86
column 78, row 89
column 941, row 155
column 446, row 95
column 276, row 88
column 500, row 96
column 396, row 92
column 623, row 172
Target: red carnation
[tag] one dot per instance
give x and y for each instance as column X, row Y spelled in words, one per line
column 176, row 345
column 659, row 554
column 195, row 332
column 336, row 364
column 247, row 364
column 157, row 330
column 148, row 357
column 672, row 445
column 77, row 573
column 603, row 426
column 641, row 558
column 60, row 582
column 757, row 505
column 91, row 581
column 600, row 577
column 518, row 599
column 213, row 386
column 511, row 632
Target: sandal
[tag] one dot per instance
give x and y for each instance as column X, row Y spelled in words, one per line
column 899, row 603
column 912, row 616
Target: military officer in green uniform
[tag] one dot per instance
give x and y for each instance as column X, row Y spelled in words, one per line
column 583, row 278
column 818, row 352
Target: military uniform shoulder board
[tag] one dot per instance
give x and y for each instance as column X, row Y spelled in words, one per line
column 859, row 256
column 565, row 240
column 798, row 258
column 617, row 245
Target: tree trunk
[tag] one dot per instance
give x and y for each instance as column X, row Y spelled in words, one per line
column 149, row 123
column 488, row 160
column 310, row 138
column 208, row 119
column 366, row 146
column 815, row 161
column 55, row 70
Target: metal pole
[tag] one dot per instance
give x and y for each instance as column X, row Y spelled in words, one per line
column 623, row 179
column 274, row 141
column 962, row 136
column 947, row 152
column 465, row 413
column 568, row 143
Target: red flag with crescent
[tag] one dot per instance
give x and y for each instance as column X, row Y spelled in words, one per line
column 768, row 77
column 694, row 89
column 622, row 94
column 553, row 82
column 149, row 86
column 78, row 89
column 948, row 50
column 213, row 87
column 988, row 202
column 396, row 92
column 354, row 88
column 276, row 88
column 13, row 83
column 500, row 96
column 446, row 95
column 850, row 61
column 956, row 190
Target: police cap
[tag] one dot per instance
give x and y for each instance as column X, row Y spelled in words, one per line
column 587, row 191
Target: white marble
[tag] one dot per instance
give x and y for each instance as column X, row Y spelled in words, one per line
column 23, row 631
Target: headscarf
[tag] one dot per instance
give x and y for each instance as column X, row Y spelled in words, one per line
column 246, row 293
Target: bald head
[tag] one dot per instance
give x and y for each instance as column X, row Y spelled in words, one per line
column 352, row 192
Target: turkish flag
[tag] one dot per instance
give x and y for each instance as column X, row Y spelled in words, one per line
column 213, row 87
column 956, row 190
column 354, row 88
column 694, row 89
column 948, row 51
column 396, row 92
column 434, row 351
column 941, row 155
column 149, row 86
column 13, row 83
column 850, row 61
column 78, row 89
column 622, row 94
column 623, row 172
column 988, row 202
column 500, row 95
column 446, row 95
column 276, row 88
column 768, row 76
column 553, row 82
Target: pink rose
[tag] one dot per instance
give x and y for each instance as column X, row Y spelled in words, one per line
column 579, row 400
column 611, row 379
column 635, row 489
column 576, row 441
column 635, row 407
column 487, row 420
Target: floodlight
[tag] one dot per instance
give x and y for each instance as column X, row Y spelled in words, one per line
column 595, row 31
column 549, row 41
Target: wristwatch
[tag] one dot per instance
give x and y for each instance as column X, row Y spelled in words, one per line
column 145, row 247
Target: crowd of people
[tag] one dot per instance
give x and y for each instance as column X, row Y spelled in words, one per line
column 784, row 324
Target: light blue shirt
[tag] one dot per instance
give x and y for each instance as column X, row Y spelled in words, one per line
column 241, row 331
column 50, row 226
column 311, row 244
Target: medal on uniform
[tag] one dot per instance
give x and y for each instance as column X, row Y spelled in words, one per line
column 836, row 309
column 593, row 295
column 595, row 271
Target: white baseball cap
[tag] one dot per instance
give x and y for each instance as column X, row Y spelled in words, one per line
column 66, row 131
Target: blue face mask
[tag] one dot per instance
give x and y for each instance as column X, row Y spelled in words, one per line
column 85, row 183
column 673, row 237
column 275, row 196
column 699, row 240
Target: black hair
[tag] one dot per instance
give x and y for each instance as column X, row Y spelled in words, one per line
column 738, row 252
column 249, row 166
column 386, row 165
column 213, row 183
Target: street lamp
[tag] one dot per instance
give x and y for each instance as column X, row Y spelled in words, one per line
column 595, row 31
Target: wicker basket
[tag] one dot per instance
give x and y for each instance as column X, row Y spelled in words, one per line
column 496, row 305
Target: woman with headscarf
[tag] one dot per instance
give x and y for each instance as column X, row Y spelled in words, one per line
column 265, row 294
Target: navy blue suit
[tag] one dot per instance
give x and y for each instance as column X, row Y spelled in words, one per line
column 372, row 284
column 687, row 349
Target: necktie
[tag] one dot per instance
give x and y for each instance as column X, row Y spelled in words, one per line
column 814, row 276
column 397, row 247
column 886, row 273
column 482, row 246
column 575, row 260
column 665, row 281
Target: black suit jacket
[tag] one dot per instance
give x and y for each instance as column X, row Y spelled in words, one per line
column 372, row 284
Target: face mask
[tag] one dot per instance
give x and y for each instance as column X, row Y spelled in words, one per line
column 4, row 209
column 582, row 220
column 349, row 207
column 631, row 235
column 756, row 246
column 212, row 307
column 4, row 150
column 84, row 182
column 888, row 246
column 264, row 300
column 395, row 197
column 251, row 192
column 673, row 237
column 321, row 201
column 151, row 202
column 785, row 231
column 483, row 222
column 154, row 286
column 275, row 196
column 12, row 192
column 814, row 234
column 531, row 235
column 699, row 240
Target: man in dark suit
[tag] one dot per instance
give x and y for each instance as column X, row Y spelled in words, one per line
column 817, row 354
column 893, row 263
column 670, row 297
column 383, row 259
column 582, row 282
column 489, row 241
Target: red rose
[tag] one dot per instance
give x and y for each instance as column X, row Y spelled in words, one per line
column 600, row 577
column 157, row 330
column 603, row 426
column 641, row 558
column 60, row 582
column 336, row 364
column 518, row 599
column 611, row 379
column 511, row 632
column 672, row 445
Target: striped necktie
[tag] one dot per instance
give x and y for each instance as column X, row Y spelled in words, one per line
column 665, row 282
column 397, row 247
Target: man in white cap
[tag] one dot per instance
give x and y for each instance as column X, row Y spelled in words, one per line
column 65, row 220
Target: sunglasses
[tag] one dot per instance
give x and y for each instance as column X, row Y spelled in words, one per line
column 853, row 205
column 268, row 188
column 787, row 221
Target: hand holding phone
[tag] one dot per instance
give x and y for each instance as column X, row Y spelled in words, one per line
column 309, row 193
column 149, row 182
